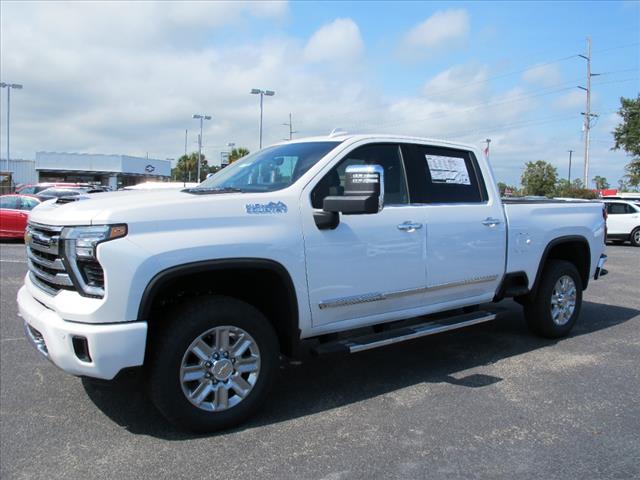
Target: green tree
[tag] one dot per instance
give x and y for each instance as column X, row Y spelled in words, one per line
column 627, row 136
column 539, row 178
column 574, row 189
column 600, row 182
column 187, row 167
column 237, row 153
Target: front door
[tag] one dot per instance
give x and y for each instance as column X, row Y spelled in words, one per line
column 370, row 266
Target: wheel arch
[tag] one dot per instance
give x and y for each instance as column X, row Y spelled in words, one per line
column 572, row 248
column 266, row 284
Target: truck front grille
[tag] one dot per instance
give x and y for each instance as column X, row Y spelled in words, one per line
column 44, row 259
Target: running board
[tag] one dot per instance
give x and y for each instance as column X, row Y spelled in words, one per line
column 401, row 334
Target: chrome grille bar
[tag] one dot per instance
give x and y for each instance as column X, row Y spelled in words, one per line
column 44, row 259
column 53, row 264
column 61, row 279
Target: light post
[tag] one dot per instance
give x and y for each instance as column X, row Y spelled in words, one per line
column 9, row 86
column 262, row 93
column 202, row 118
column 570, row 153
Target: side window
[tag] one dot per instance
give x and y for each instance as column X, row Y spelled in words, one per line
column 9, row 202
column 443, row 175
column 28, row 190
column 617, row 208
column 386, row 155
column 28, row 203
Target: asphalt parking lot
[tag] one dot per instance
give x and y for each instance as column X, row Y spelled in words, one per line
column 489, row 401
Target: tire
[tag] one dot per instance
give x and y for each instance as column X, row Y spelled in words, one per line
column 175, row 356
column 634, row 238
column 539, row 311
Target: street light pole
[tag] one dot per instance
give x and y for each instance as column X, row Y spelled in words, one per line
column 202, row 118
column 262, row 93
column 9, row 86
column 570, row 153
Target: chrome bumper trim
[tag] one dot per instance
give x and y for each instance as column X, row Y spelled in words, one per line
column 600, row 270
column 36, row 340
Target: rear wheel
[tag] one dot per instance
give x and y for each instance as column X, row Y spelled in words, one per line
column 556, row 306
column 211, row 367
column 635, row 237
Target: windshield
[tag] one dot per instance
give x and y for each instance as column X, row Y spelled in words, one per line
column 269, row 169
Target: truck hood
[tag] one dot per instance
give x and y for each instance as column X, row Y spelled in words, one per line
column 138, row 206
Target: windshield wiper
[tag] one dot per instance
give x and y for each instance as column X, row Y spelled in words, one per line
column 204, row 191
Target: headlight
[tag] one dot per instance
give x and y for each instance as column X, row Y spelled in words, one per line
column 80, row 257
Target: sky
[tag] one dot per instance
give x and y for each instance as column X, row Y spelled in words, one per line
column 126, row 77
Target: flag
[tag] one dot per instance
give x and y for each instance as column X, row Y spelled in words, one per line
column 486, row 151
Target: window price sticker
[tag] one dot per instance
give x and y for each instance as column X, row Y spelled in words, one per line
column 448, row 170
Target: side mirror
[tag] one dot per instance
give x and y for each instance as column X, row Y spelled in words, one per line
column 363, row 192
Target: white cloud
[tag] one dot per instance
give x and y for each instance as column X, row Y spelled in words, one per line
column 95, row 82
column 546, row 75
column 338, row 41
column 442, row 29
column 570, row 101
column 459, row 83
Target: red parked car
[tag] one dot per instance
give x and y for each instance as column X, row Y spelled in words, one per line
column 14, row 213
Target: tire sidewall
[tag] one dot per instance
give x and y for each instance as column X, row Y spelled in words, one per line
column 632, row 237
column 539, row 316
column 185, row 326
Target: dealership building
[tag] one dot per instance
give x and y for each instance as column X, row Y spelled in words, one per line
column 112, row 170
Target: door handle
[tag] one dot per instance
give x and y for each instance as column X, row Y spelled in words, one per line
column 491, row 222
column 409, row 226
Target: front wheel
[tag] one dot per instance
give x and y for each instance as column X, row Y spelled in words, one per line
column 556, row 306
column 212, row 365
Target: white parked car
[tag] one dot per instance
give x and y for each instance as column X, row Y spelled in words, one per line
column 623, row 222
column 297, row 247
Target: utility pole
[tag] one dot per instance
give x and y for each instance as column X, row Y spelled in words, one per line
column 262, row 93
column 290, row 125
column 9, row 86
column 587, row 115
column 570, row 153
column 202, row 118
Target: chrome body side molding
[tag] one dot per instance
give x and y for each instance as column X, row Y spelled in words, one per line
column 377, row 296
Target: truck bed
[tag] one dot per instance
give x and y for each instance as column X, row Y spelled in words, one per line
column 533, row 224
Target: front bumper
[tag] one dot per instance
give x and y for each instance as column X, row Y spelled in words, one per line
column 600, row 270
column 111, row 347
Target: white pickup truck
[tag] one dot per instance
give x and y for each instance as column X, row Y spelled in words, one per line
column 297, row 247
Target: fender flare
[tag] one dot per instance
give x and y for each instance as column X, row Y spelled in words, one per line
column 545, row 255
column 167, row 275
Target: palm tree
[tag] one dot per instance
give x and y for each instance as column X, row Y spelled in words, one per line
column 237, row 153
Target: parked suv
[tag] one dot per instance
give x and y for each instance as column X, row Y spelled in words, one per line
column 623, row 222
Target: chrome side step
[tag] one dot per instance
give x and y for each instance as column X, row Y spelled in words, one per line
column 401, row 334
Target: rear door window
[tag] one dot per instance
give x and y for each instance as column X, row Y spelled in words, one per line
column 10, row 202
column 443, row 175
column 619, row 209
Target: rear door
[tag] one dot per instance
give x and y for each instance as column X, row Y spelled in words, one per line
column 622, row 218
column 465, row 226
